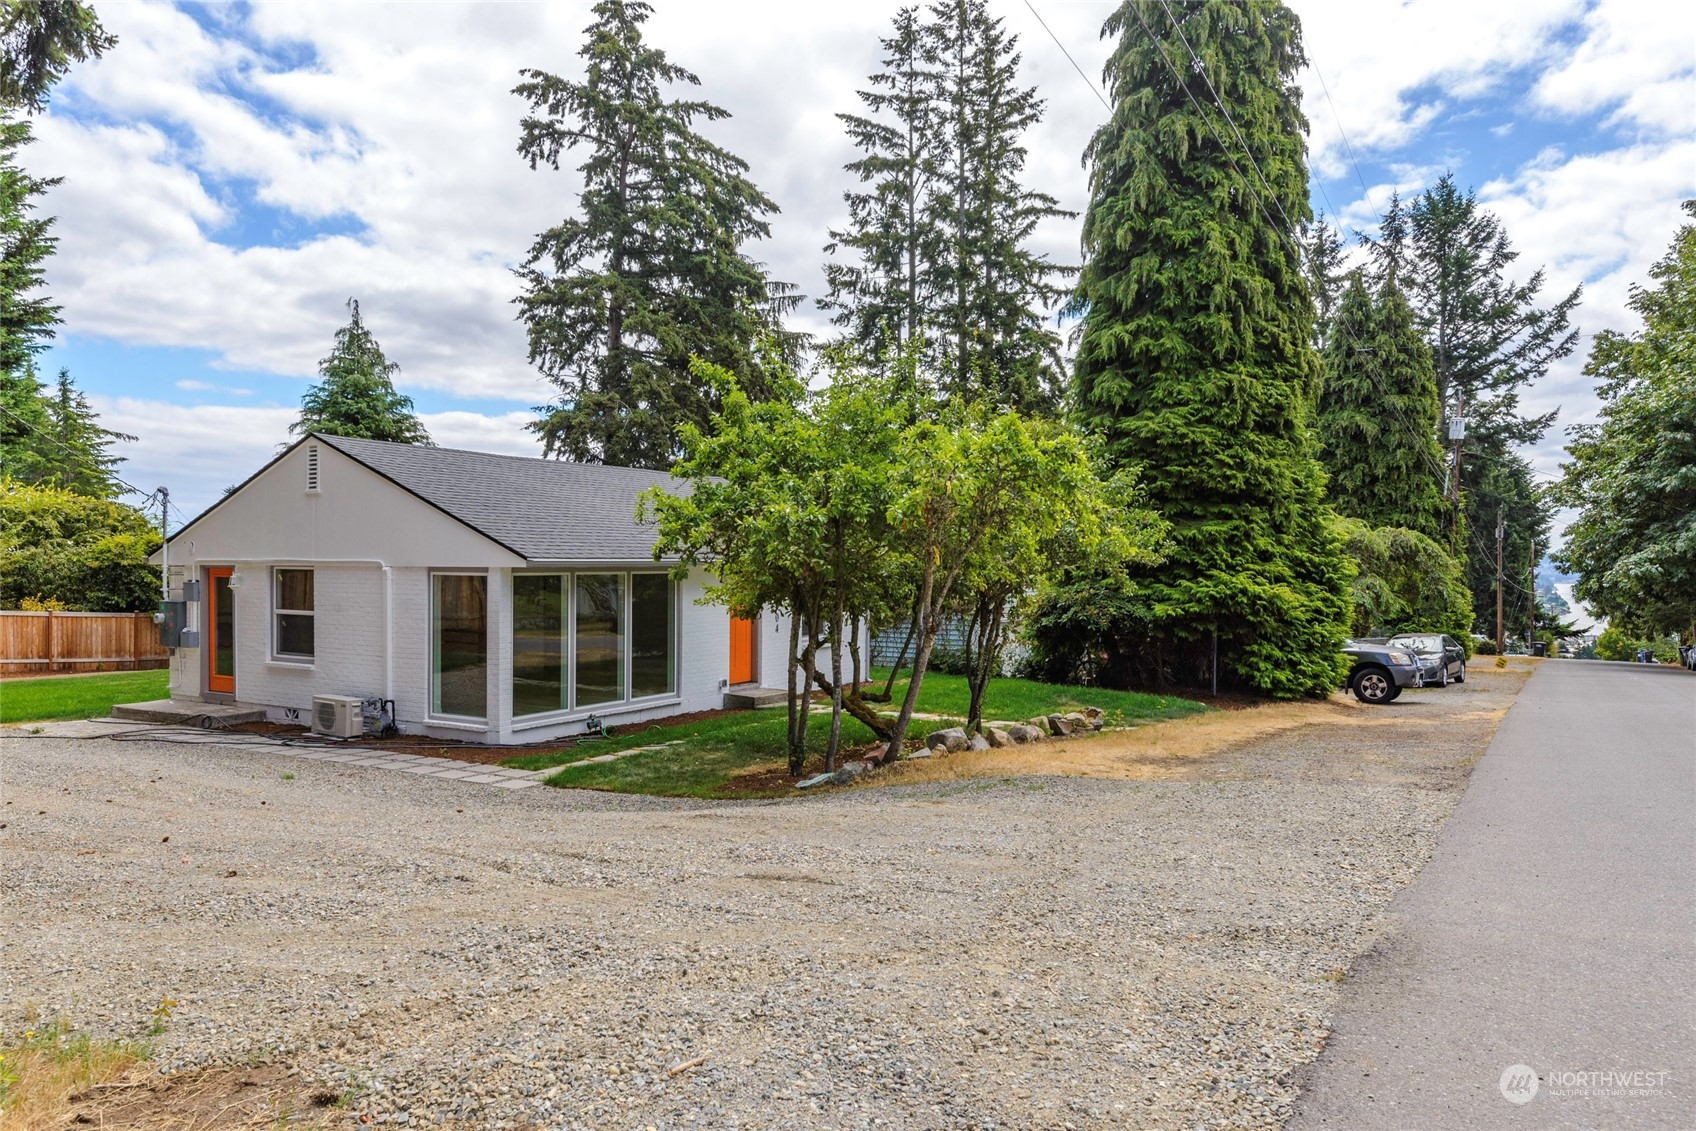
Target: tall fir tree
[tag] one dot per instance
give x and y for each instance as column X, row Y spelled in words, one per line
column 39, row 39
column 1195, row 359
column 1326, row 276
column 652, row 271
column 942, row 228
column 27, row 315
column 882, row 299
column 356, row 395
column 1378, row 413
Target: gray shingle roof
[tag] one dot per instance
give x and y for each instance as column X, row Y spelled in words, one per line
column 544, row 510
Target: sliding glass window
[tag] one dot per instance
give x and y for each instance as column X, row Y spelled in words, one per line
column 538, row 644
column 589, row 639
column 459, row 645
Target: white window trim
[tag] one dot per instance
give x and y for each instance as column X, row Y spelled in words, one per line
column 628, row 702
column 293, row 659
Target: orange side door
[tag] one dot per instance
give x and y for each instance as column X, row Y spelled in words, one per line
column 220, row 631
column 741, row 650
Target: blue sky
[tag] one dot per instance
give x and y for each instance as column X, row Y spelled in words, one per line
column 234, row 173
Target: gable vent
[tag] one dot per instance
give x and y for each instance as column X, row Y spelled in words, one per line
column 312, row 467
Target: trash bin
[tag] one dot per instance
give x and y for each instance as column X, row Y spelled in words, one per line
column 1539, row 647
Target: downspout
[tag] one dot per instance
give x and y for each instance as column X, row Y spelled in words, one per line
column 388, row 604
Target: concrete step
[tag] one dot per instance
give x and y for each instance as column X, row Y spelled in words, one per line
column 187, row 712
column 741, row 697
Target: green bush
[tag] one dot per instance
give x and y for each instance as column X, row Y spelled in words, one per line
column 1484, row 647
column 87, row 554
column 1405, row 582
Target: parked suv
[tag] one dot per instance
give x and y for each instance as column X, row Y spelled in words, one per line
column 1380, row 670
column 1441, row 658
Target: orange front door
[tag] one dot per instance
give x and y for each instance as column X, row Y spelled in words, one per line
column 741, row 651
column 220, row 632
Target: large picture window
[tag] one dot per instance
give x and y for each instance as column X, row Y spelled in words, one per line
column 589, row 639
column 600, row 638
column 459, row 645
column 294, row 625
column 538, row 644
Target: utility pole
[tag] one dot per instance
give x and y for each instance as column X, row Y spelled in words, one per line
column 164, row 546
column 1500, row 641
column 1531, row 614
column 1457, row 433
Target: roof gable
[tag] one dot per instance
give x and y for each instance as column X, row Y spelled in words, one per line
column 541, row 509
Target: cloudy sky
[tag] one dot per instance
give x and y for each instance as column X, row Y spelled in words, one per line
column 233, row 173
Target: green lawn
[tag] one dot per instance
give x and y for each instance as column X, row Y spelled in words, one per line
column 77, row 696
column 741, row 753
column 1015, row 700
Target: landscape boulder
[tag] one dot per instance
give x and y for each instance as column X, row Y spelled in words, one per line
column 997, row 737
column 848, row 771
column 1059, row 725
column 1022, row 733
column 977, row 742
column 953, row 739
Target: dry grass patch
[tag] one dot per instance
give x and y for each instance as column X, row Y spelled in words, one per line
column 47, row 1063
column 1171, row 749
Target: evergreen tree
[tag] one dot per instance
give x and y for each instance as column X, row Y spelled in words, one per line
column 882, row 300
column 942, row 227
column 24, row 455
column 38, row 41
column 1195, row 359
column 1378, row 412
column 356, row 396
column 618, row 299
column 27, row 317
column 1490, row 339
column 84, row 449
column 1326, row 278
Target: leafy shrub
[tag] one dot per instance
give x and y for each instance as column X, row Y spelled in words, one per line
column 1484, row 647
column 63, row 550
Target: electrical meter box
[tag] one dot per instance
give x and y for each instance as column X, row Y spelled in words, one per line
column 171, row 619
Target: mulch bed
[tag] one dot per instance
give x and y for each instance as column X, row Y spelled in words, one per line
column 459, row 751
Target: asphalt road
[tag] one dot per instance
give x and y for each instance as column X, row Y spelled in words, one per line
column 1554, row 928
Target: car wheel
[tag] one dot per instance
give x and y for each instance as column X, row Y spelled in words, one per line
column 1461, row 677
column 1374, row 686
column 1443, row 676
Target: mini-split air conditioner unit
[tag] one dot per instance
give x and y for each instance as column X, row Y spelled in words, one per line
column 339, row 716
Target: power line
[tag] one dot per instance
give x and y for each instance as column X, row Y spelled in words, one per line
column 1099, row 96
column 148, row 496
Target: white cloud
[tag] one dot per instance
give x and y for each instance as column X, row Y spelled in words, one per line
column 1636, row 57
column 190, row 385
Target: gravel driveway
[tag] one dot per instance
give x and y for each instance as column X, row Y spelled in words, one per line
column 1027, row 953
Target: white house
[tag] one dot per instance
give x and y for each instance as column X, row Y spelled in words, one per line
column 493, row 598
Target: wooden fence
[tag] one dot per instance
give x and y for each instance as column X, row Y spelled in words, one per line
column 43, row 643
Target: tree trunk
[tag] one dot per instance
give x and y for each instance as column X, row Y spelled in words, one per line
column 835, row 742
column 927, row 638
column 912, row 627
column 986, row 627
column 879, row 724
column 797, row 714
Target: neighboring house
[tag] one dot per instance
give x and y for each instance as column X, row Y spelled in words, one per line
column 493, row 598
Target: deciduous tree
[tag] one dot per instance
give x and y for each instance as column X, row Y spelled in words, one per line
column 1632, row 474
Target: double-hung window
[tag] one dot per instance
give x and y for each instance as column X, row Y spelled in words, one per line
column 293, row 622
column 582, row 640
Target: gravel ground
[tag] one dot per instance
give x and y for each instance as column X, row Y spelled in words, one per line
column 1028, row 953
